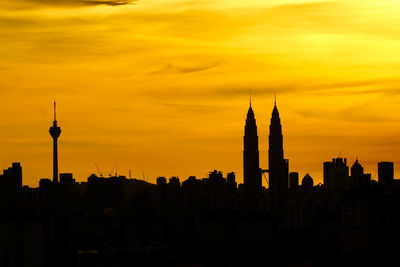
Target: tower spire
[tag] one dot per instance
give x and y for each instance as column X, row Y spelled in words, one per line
column 250, row 97
column 55, row 117
column 275, row 98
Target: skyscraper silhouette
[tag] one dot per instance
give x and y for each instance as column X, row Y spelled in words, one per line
column 55, row 132
column 385, row 172
column 251, row 164
column 358, row 178
column 278, row 166
column 336, row 174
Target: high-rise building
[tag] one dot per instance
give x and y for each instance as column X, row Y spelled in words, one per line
column 251, row 163
column 11, row 187
column 357, row 177
column 161, row 181
column 278, row 166
column 231, row 181
column 307, row 183
column 67, row 181
column 327, row 166
column 294, row 182
column 55, row 132
column 385, row 172
column 336, row 174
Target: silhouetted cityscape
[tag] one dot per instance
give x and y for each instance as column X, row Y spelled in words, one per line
column 350, row 219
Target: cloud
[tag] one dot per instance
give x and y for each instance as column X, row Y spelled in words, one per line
column 173, row 69
column 80, row 2
column 108, row 3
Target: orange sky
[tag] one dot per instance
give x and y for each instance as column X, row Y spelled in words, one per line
column 161, row 87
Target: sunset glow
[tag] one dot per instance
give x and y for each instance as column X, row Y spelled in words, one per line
column 162, row 87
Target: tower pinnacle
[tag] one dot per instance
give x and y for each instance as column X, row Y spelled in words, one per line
column 55, row 118
column 250, row 98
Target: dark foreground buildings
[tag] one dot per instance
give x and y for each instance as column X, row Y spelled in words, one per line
column 350, row 219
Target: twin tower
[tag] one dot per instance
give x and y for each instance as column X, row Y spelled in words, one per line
column 278, row 167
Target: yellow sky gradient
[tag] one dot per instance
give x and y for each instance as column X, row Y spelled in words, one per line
column 162, row 87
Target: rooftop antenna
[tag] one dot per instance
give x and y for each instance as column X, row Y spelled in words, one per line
column 130, row 174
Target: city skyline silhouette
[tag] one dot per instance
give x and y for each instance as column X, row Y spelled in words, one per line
column 105, row 167
column 199, row 133
column 251, row 144
column 124, row 221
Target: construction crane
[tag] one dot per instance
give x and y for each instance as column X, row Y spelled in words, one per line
column 111, row 172
column 97, row 167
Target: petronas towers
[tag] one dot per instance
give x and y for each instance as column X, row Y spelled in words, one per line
column 278, row 167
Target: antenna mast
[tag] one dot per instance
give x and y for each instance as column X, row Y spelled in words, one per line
column 55, row 118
